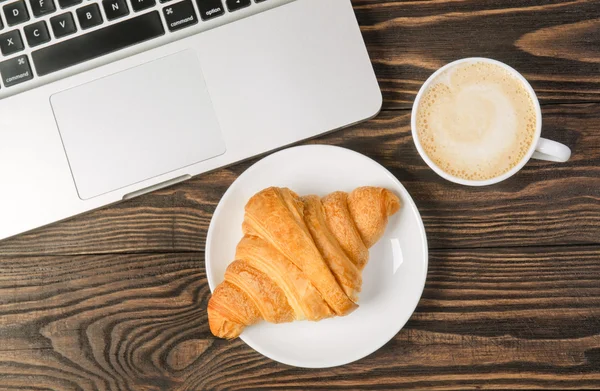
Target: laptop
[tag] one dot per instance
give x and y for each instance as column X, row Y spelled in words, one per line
column 105, row 100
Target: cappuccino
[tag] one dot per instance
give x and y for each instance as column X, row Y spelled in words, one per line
column 476, row 121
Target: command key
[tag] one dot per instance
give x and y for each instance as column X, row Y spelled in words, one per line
column 180, row 15
column 15, row 71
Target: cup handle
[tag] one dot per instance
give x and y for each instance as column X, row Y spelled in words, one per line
column 551, row 151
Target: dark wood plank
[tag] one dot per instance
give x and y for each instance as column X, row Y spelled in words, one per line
column 490, row 317
column 487, row 319
column 545, row 204
column 554, row 43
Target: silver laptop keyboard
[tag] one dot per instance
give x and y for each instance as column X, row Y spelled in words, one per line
column 43, row 38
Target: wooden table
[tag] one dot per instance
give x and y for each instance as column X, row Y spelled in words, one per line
column 116, row 299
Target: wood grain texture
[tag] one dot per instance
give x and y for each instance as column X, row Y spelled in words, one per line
column 116, row 299
column 545, row 204
column 554, row 43
column 488, row 319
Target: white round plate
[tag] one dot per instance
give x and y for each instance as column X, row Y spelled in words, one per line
column 392, row 281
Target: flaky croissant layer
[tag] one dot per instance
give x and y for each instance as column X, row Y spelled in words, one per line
column 301, row 258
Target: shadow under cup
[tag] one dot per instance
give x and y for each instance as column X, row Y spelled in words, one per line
column 479, row 95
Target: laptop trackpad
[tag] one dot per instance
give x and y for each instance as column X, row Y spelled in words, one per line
column 137, row 124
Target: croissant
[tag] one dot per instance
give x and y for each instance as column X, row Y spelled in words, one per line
column 301, row 258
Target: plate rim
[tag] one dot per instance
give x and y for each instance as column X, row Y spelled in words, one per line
column 425, row 248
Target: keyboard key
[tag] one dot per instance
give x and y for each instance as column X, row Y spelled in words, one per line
column 42, row 7
column 16, row 13
column 115, row 9
column 97, row 43
column 15, row 71
column 37, row 33
column 234, row 5
column 210, row 8
column 180, row 15
column 140, row 5
column 11, row 42
column 63, row 25
column 89, row 16
column 68, row 3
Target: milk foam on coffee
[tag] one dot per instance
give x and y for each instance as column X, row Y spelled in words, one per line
column 476, row 121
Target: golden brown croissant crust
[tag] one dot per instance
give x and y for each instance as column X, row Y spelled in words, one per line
column 300, row 257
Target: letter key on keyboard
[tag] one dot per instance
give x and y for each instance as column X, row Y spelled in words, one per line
column 11, row 42
column 140, row 5
column 89, row 16
column 115, row 9
column 15, row 13
column 63, row 25
column 42, row 7
column 37, row 33
column 97, row 43
column 68, row 3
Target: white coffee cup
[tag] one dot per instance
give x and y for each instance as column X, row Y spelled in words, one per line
column 541, row 148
